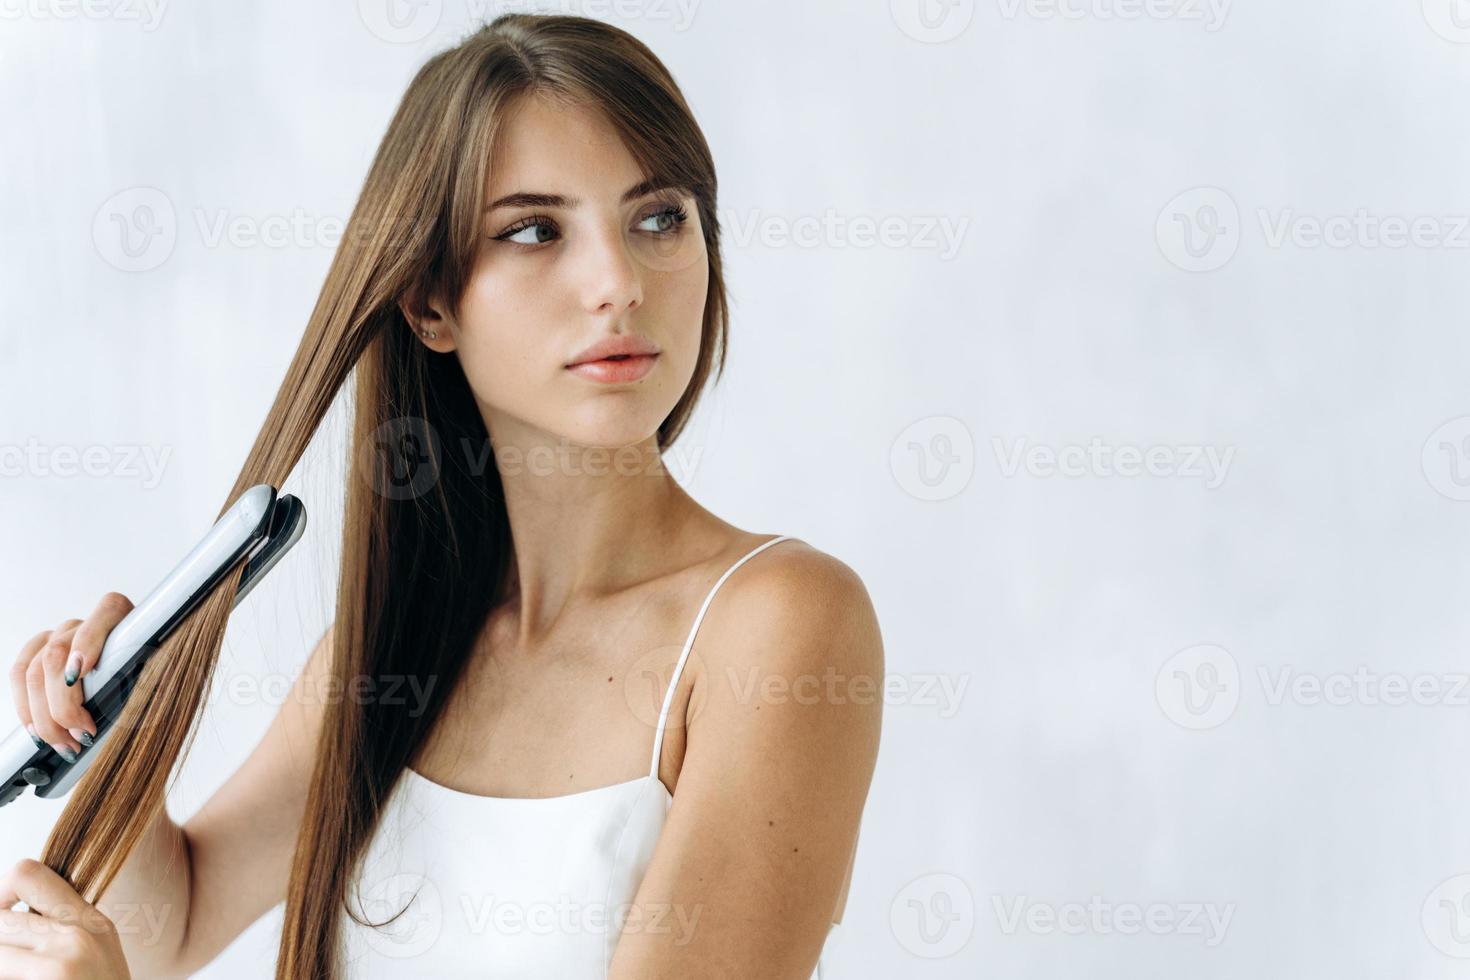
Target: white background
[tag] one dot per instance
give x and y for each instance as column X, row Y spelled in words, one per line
column 876, row 392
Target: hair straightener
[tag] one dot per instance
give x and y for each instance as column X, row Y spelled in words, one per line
column 258, row 530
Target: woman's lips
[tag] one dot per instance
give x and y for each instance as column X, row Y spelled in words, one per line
column 615, row 370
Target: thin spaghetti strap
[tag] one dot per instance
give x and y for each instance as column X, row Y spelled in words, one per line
column 658, row 738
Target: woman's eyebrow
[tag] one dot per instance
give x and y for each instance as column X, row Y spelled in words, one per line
column 534, row 199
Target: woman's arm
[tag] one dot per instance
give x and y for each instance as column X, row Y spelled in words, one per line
column 782, row 742
column 184, row 892
column 238, row 846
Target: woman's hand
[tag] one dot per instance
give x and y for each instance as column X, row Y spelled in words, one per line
column 61, row 937
column 44, row 678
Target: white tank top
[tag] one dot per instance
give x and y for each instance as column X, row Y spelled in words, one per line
column 511, row 888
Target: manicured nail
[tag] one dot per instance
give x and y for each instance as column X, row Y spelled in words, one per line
column 81, row 735
column 73, row 668
column 31, row 731
column 65, row 753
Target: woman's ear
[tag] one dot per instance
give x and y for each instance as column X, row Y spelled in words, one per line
column 429, row 319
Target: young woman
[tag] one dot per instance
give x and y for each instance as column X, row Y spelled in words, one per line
column 637, row 740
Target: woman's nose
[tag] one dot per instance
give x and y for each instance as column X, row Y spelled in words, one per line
column 613, row 282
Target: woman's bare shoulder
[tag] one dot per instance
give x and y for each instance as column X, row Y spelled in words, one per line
column 805, row 608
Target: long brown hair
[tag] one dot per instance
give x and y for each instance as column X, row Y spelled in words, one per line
column 422, row 560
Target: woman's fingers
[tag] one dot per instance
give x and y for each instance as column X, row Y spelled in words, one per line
column 22, row 964
column 22, row 929
column 47, row 659
column 63, row 700
column 60, row 936
column 18, row 691
column 86, row 645
column 43, row 890
column 64, row 668
column 44, row 677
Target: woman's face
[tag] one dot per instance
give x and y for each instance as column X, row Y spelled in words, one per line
column 595, row 258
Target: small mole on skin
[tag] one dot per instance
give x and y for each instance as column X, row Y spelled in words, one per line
column 609, row 680
column 770, row 823
column 795, row 849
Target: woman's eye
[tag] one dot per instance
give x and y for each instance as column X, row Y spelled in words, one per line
column 665, row 221
column 535, row 233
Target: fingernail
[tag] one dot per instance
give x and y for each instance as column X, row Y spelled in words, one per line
column 65, row 753
column 31, row 731
column 73, row 668
column 81, row 735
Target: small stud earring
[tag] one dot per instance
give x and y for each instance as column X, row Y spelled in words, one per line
column 429, row 334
